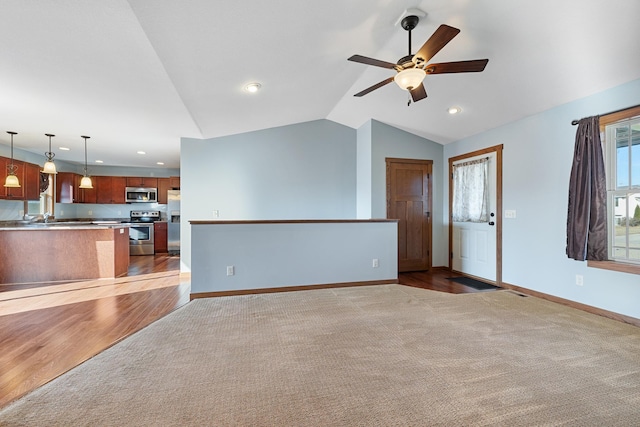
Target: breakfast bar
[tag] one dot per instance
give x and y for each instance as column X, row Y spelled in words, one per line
column 53, row 252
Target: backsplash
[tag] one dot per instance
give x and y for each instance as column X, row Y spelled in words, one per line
column 98, row 211
column 11, row 210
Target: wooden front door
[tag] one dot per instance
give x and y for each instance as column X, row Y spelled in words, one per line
column 409, row 201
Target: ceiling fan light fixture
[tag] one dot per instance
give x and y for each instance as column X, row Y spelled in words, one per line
column 410, row 78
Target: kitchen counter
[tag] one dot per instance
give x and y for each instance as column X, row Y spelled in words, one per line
column 74, row 250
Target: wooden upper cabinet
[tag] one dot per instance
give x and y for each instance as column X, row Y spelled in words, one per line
column 110, row 189
column 88, row 195
column 174, row 182
column 67, row 187
column 163, row 187
column 133, row 181
column 31, row 181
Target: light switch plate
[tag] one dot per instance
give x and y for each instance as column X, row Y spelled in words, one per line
column 510, row 213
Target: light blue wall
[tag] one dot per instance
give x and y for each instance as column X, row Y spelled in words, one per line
column 387, row 141
column 538, row 153
column 301, row 171
column 364, row 171
column 276, row 255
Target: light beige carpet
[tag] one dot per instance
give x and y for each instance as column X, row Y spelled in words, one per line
column 385, row 355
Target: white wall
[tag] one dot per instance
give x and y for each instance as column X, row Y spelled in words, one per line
column 538, row 153
column 301, row 171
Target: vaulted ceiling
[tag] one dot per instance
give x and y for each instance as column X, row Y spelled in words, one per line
column 139, row 74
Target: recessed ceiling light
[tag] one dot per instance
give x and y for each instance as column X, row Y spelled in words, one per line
column 160, row 163
column 141, row 152
column 64, row 148
column 252, row 87
column 454, row 110
column 99, row 161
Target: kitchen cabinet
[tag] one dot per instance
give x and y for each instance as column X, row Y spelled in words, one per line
column 133, row 181
column 160, row 237
column 31, row 181
column 13, row 193
column 29, row 176
column 163, row 187
column 67, row 187
column 88, row 195
column 174, row 182
column 110, row 189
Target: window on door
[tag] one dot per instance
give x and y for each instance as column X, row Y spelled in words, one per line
column 471, row 191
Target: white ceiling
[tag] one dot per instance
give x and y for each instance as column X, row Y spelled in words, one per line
column 140, row 74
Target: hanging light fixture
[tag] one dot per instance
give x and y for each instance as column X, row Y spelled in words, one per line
column 11, row 180
column 410, row 78
column 85, row 182
column 49, row 166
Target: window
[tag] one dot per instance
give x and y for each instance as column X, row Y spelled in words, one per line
column 620, row 134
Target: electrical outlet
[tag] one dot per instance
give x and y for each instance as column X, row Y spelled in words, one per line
column 216, row 214
column 230, row 270
column 21, row 213
column 375, row 263
column 90, row 213
column 61, row 213
column 579, row 280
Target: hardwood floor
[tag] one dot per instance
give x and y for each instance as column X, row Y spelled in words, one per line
column 48, row 328
column 436, row 280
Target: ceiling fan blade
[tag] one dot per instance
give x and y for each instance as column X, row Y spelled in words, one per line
column 443, row 35
column 370, row 61
column 374, row 87
column 473, row 66
column 418, row 93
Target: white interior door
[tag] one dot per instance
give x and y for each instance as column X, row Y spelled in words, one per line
column 474, row 243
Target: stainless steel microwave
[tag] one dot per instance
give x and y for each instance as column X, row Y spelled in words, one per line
column 140, row 195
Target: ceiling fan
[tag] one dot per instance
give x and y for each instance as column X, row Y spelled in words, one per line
column 412, row 69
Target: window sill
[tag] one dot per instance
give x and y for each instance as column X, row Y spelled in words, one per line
column 615, row 266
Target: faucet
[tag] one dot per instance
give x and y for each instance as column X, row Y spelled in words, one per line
column 46, row 217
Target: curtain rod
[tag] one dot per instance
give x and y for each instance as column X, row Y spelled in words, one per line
column 575, row 122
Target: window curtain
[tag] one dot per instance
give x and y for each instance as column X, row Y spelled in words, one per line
column 587, row 213
column 471, row 191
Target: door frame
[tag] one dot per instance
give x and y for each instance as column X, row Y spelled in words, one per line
column 428, row 239
column 497, row 149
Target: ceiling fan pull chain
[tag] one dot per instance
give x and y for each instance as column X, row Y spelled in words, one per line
column 409, row 100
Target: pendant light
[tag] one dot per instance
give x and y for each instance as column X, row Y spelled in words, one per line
column 85, row 182
column 49, row 166
column 11, row 180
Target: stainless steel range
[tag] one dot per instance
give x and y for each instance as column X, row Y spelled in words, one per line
column 141, row 232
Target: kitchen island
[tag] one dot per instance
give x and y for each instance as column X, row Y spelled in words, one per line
column 54, row 252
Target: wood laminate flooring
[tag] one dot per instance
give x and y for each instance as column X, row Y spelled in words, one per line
column 48, row 328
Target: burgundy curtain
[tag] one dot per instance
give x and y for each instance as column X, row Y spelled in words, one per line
column 587, row 216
